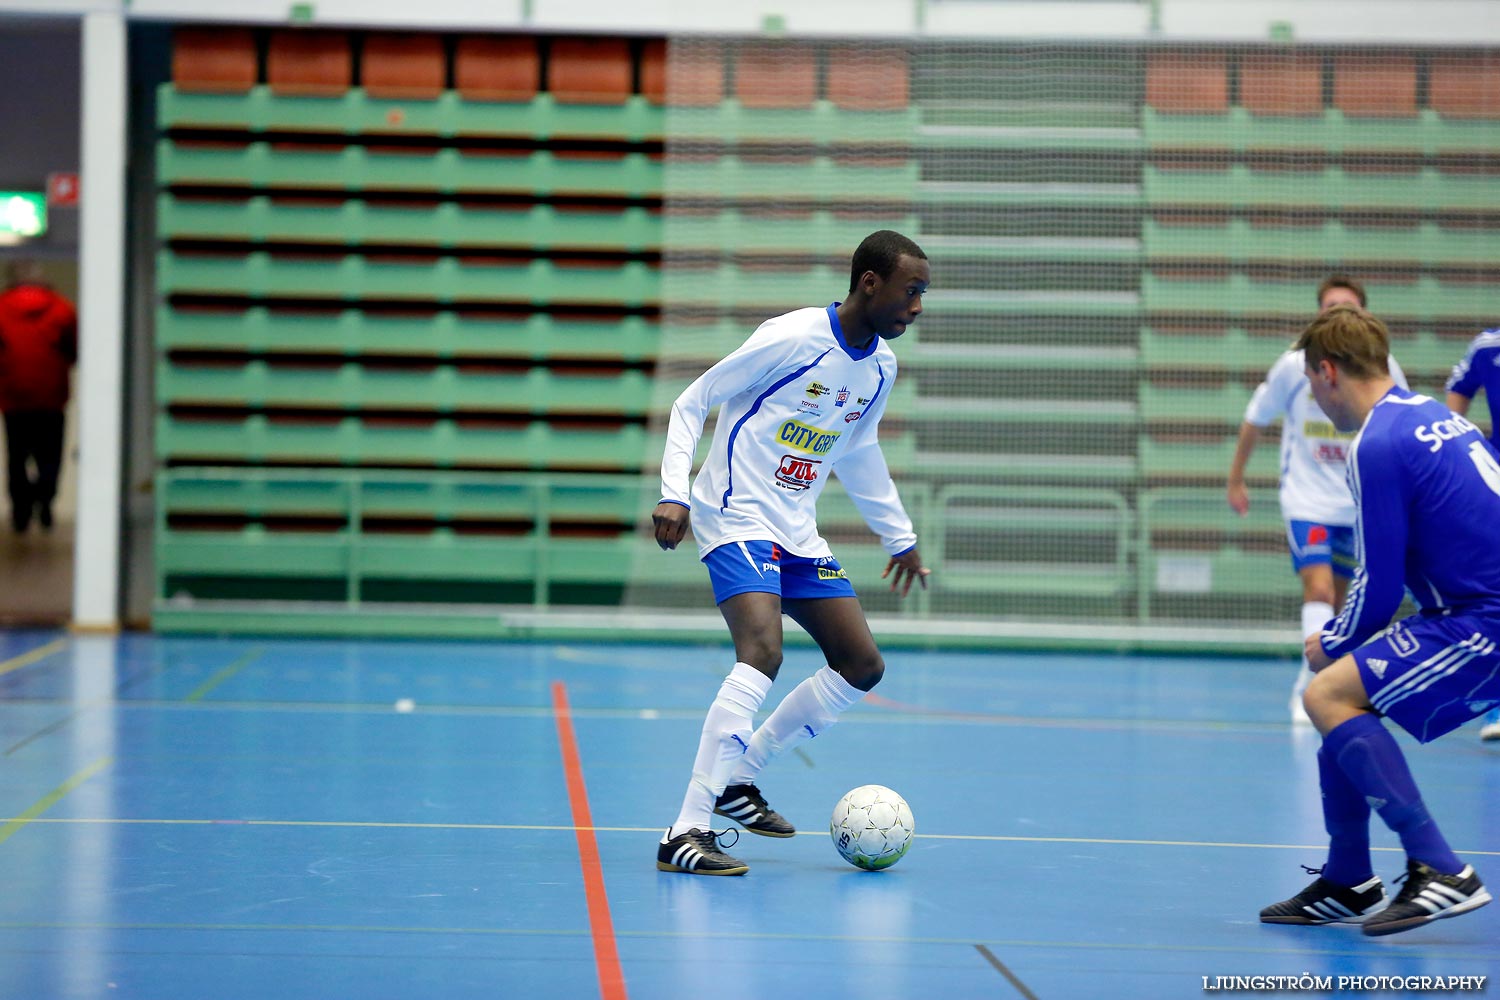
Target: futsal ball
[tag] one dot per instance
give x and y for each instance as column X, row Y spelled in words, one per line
column 872, row 827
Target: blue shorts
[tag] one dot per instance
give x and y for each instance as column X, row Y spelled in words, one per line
column 1315, row 544
column 743, row 567
column 1430, row 673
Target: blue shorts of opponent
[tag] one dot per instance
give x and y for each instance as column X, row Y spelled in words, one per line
column 1313, row 544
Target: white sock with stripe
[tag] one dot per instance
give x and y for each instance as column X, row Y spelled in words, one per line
column 807, row 710
column 1315, row 615
column 725, row 735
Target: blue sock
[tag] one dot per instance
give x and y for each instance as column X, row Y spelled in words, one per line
column 1346, row 817
column 1367, row 753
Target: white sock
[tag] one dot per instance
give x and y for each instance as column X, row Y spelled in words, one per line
column 725, row 735
column 1315, row 615
column 807, row 710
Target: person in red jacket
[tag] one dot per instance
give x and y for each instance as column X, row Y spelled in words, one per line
column 38, row 345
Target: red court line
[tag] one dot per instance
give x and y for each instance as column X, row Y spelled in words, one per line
column 601, row 928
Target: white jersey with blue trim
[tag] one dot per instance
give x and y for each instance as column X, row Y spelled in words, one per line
column 1427, row 485
column 1313, row 452
column 796, row 402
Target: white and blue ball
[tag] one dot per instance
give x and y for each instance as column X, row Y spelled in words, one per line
column 872, row 827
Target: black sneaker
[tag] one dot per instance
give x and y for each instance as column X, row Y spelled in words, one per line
column 1428, row 895
column 1326, row 902
column 746, row 806
column 697, row 853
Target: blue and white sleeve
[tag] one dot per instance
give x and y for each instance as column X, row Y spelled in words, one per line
column 762, row 353
column 1465, row 378
column 1378, row 482
column 867, row 480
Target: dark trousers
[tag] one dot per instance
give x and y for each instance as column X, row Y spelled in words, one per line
column 33, row 438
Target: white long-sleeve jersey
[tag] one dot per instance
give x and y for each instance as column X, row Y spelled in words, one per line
column 1313, row 452
column 797, row 402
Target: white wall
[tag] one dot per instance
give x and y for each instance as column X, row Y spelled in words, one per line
column 1467, row 22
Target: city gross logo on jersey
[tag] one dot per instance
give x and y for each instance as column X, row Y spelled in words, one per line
column 1435, row 433
column 797, row 473
column 841, row 398
column 816, row 389
column 801, row 437
column 824, row 573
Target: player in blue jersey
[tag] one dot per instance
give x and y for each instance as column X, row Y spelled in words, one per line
column 1479, row 371
column 801, row 398
column 1427, row 488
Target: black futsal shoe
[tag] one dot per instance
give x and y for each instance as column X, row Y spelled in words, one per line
column 746, row 806
column 697, row 853
column 1428, row 894
column 1326, row 902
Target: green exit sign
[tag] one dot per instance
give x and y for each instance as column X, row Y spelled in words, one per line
column 23, row 214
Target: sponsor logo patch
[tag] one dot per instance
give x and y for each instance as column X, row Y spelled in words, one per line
column 797, row 473
column 816, row 389
column 851, row 416
column 842, row 397
column 800, row 437
column 831, row 574
column 1401, row 641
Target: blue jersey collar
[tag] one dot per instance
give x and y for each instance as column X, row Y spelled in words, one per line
column 855, row 354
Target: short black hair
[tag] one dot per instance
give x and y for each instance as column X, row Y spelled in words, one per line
column 879, row 252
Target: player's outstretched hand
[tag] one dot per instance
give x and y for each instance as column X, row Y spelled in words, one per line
column 671, row 522
column 907, row 569
column 1239, row 498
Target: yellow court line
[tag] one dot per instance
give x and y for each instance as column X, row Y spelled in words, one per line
column 561, row 828
column 52, row 798
column 27, row 659
column 224, row 673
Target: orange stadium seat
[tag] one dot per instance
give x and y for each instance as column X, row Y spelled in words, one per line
column 589, row 70
column 1195, row 83
column 869, row 78
column 214, row 59
column 314, row 63
column 403, row 66
column 783, row 75
column 1460, row 86
column 691, row 75
column 496, row 68
column 1381, row 85
column 1282, row 84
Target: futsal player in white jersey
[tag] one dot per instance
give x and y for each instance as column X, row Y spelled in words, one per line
column 1315, row 501
column 800, row 399
column 1426, row 485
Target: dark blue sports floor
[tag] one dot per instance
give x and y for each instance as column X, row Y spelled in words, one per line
column 241, row 818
